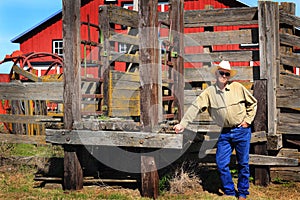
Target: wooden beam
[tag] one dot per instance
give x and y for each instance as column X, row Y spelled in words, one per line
column 291, row 59
column 149, row 59
column 291, row 81
column 288, row 98
column 216, row 56
column 22, row 139
column 219, row 17
column 121, row 57
column 265, row 160
column 254, row 159
column 73, row 175
column 268, row 17
column 260, row 122
column 289, row 19
column 26, row 74
column 124, row 38
column 28, row 119
column 114, row 138
column 177, row 30
column 31, row 91
column 149, row 177
column 290, row 40
column 105, row 52
column 204, row 74
column 218, row 38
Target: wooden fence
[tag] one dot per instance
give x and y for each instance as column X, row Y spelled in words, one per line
column 268, row 30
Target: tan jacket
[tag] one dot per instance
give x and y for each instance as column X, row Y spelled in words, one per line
column 228, row 107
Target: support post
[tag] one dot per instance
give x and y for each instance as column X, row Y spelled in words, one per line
column 105, row 51
column 268, row 19
column 73, row 175
column 177, row 30
column 149, row 55
column 149, row 176
column 261, row 173
column 149, row 63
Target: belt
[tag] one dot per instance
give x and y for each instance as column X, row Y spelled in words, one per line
column 227, row 129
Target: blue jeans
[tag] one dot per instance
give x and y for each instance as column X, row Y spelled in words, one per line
column 238, row 138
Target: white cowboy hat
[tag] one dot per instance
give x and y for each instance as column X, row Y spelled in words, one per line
column 224, row 65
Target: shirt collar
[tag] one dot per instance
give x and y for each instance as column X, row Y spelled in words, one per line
column 227, row 87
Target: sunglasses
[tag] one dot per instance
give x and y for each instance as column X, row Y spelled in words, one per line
column 222, row 73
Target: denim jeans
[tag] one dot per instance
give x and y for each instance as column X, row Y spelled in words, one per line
column 238, row 139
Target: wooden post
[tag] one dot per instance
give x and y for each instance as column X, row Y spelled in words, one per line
column 149, row 55
column 177, row 31
column 73, row 175
column 262, row 173
column 105, row 51
column 289, row 8
column 149, row 178
column 149, row 63
column 268, row 19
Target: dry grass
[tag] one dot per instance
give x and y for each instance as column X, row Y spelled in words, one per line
column 188, row 181
column 16, row 182
column 184, row 180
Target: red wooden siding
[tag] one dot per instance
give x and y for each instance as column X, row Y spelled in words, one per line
column 42, row 41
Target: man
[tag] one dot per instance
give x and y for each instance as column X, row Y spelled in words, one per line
column 233, row 108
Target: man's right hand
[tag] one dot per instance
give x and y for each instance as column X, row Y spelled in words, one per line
column 178, row 128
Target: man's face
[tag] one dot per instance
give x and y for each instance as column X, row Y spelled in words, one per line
column 222, row 75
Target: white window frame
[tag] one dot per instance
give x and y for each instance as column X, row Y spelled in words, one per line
column 122, row 48
column 57, row 48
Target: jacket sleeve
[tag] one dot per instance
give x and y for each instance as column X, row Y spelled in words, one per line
column 251, row 106
column 199, row 105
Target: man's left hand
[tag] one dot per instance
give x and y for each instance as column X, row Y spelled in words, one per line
column 244, row 124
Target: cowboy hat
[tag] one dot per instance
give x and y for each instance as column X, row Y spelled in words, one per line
column 224, row 65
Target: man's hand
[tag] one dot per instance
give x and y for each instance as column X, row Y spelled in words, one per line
column 244, row 124
column 178, row 128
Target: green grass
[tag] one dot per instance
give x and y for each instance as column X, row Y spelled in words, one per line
column 26, row 150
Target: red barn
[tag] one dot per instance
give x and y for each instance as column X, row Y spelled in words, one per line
column 47, row 35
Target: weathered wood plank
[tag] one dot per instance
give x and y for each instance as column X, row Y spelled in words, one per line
column 121, row 57
column 32, row 91
column 217, row 38
column 204, row 74
column 290, row 153
column 22, row 139
column 149, row 177
column 227, row 16
column 290, row 60
column 215, row 56
column 293, row 118
column 289, row 19
column 260, row 93
column 290, row 81
column 263, row 160
column 268, row 16
column 176, row 14
column 258, row 137
column 149, row 57
column 26, row 74
column 285, row 173
column 73, row 174
column 123, row 38
column 272, row 160
column 288, row 98
column 290, row 40
column 288, row 128
column 119, row 15
column 28, row 119
column 114, row 138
